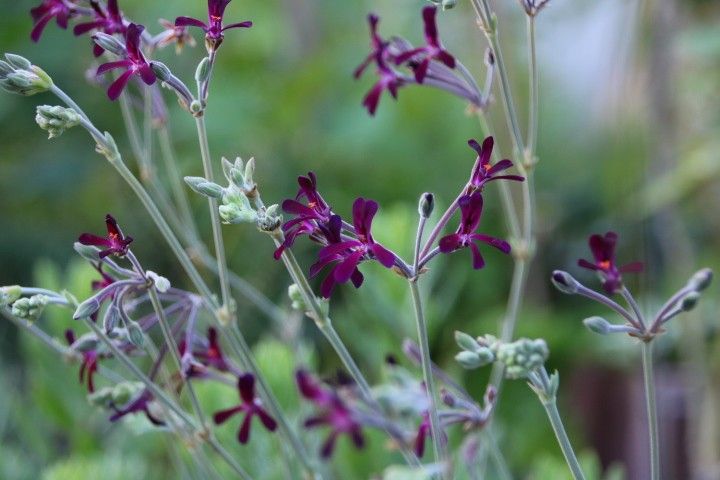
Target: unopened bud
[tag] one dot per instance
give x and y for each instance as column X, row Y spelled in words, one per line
column 111, row 319
column 88, row 252
column 522, row 356
column 689, row 301
column 101, row 398
column 162, row 284
column 161, row 70
column 448, row 4
column 232, row 214
column 202, row 73
column 489, row 57
column 565, row 282
column 250, row 172
column 29, row 308
column 701, row 280
column 109, row 43
column 9, row 294
column 447, row 398
column 123, row 392
column 204, row 187
column 426, row 205
column 135, row 334
column 296, row 297
column 466, row 342
column 86, row 308
column 56, row 119
column 271, row 219
column 468, row 360
column 20, row 63
column 597, row 325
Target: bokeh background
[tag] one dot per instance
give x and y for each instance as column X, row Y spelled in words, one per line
column 628, row 141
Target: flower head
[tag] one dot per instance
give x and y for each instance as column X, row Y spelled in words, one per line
column 214, row 28
column 134, row 63
column 348, row 253
column 61, row 10
column 483, row 171
column 176, row 34
column 433, row 49
column 115, row 243
column 603, row 250
column 251, row 406
column 309, row 217
column 139, row 404
column 89, row 363
column 109, row 22
column 465, row 236
column 389, row 79
column 335, row 413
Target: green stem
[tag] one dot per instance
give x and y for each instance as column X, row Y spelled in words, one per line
column 175, row 178
column 435, row 426
column 649, row 379
column 227, row 301
column 534, row 80
column 563, row 440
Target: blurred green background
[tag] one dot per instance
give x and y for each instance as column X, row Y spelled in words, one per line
column 628, row 141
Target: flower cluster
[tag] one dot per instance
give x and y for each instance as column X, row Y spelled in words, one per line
column 430, row 64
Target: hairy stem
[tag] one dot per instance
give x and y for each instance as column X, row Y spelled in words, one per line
column 648, row 377
column 563, row 440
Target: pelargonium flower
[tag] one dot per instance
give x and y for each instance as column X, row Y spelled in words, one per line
column 347, row 254
column 110, row 22
column 209, row 355
column 178, row 35
column 335, row 414
column 603, row 250
column 483, row 171
column 134, row 63
column 317, row 211
column 115, row 243
column 214, row 28
column 389, row 79
column 251, row 405
column 433, row 49
column 61, row 10
column 89, row 363
column 139, row 404
column 465, row 236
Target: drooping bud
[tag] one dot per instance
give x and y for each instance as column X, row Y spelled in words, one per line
column 565, row 282
column 202, row 73
column 111, row 318
column 88, row 252
column 523, row 356
column 29, row 308
column 56, row 119
column 18, row 75
column 9, row 294
column 162, row 284
column 426, row 205
column 204, row 187
column 86, row 308
column 701, row 280
column 109, row 43
column 135, row 334
column 689, row 301
column 597, row 325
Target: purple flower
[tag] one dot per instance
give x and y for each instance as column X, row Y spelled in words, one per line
column 433, row 49
column 422, row 433
column 347, row 254
column 603, row 249
column 210, row 355
column 483, row 171
column 251, row 405
column 115, row 242
column 139, row 404
column 308, row 217
column 465, row 236
column 134, row 63
column 389, row 79
column 110, row 22
column 89, row 364
column 335, row 414
column 214, row 28
column 61, row 10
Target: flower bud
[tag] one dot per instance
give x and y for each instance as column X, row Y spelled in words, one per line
column 5, row 68
column 20, row 63
column 565, row 282
column 689, row 301
column 204, row 187
column 250, row 171
column 88, row 252
column 468, row 360
column 29, row 308
column 18, row 75
column 202, row 73
column 466, row 342
column 110, row 43
column 123, row 392
column 233, row 214
column 111, row 318
column 162, row 284
column 447, row 398
column 597, row 325
column 161, row 71
column 701, row 280
column 271, row 219
column 135, row 334
column 522, row 356
column 448, row 4
column 9, row 294
column 426, row 205
column 86, row 308
column 298, row 302
column 101, row 398
column 55, row 120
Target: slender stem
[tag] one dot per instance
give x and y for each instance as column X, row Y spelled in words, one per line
column 437, row 229
column 227, row 301
column 633, row 305
column 42, row 336
column 418, row 241
column 563, row 440
column 175, row 178
column 435, row 426
column 649, row 379
column 532, row 68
